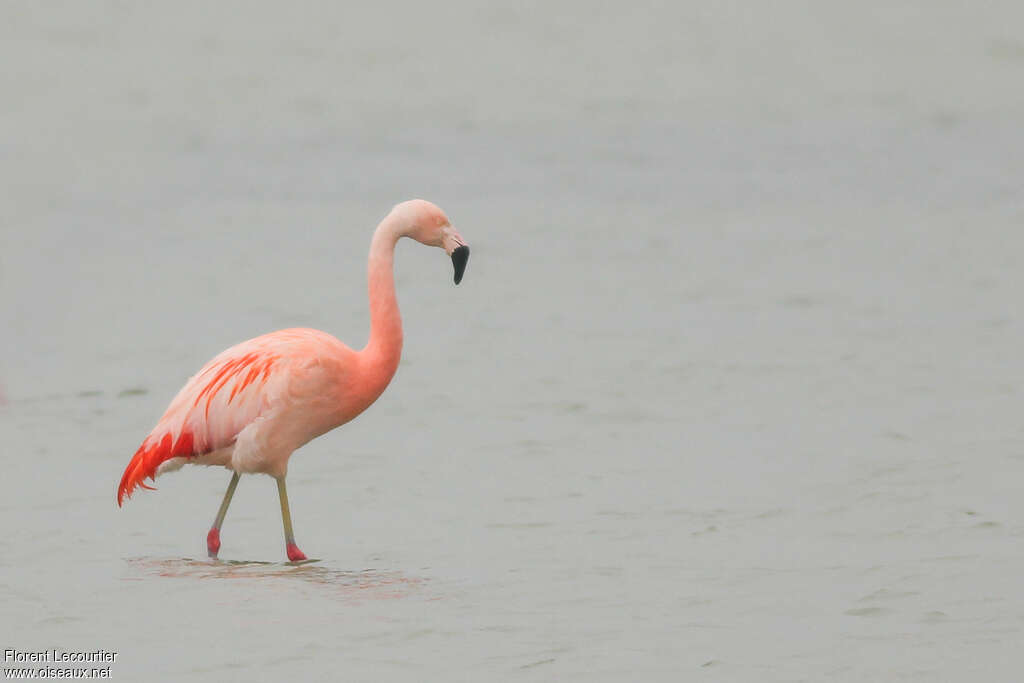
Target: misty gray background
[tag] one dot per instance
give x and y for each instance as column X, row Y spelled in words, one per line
column 731, row 389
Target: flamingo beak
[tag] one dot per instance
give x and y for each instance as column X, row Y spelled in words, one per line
column 457, row 249
column 460, row 257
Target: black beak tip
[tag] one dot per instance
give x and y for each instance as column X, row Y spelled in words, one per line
column 459, row 259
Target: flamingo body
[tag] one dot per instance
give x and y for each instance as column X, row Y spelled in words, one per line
column 251, row 406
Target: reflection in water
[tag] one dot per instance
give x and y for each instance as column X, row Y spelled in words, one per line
column 368, row 584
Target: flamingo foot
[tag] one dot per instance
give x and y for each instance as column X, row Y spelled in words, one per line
column 294, row 554
column 213, row 542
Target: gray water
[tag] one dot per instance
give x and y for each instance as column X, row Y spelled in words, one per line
column 731, row 389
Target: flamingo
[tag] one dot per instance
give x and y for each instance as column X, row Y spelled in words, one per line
column 254, row 404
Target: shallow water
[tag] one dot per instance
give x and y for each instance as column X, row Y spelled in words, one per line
column 730, row 389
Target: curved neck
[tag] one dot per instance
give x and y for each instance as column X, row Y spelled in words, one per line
column 384, row 348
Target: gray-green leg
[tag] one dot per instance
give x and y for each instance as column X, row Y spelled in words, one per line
column 294, row 554
column 213, row 538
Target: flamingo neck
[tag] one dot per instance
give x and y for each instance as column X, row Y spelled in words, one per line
column 384, row 349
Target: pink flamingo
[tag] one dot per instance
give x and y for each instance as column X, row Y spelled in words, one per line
column 251, row 406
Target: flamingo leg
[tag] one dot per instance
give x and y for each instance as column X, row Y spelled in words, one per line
column 213, row 538
column 294, row 554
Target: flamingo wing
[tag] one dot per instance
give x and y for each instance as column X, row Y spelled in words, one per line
column 231, row 391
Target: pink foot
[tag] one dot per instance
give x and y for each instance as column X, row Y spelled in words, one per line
column 294, row 554
column 213, row 542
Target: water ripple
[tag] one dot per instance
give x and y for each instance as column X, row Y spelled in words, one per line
column 371, row 584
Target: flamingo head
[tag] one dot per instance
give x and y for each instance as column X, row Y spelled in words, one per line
column 427, row 224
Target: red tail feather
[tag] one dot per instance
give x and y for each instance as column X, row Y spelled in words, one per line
column 148, row 458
